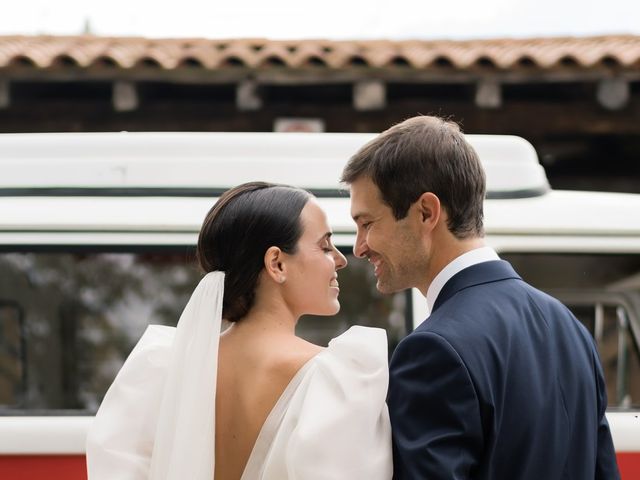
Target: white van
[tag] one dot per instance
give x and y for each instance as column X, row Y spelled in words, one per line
column 97, row 237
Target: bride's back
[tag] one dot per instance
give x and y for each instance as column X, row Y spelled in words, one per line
column 273, row 243
column 253, row 371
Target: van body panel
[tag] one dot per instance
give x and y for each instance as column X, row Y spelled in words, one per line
column 555, row 213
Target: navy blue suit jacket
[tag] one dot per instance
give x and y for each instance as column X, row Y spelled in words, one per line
column 500, row 382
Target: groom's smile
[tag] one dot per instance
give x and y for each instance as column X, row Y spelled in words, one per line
column 391, row 245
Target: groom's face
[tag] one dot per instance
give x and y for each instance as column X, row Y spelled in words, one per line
column 392, row 246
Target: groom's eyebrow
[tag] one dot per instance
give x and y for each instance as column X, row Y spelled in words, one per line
column 359, row 216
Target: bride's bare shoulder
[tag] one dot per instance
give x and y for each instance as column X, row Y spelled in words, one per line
column 292, row 354
column 273, row 355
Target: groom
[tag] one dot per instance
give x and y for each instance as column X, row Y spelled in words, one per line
column 500, row 381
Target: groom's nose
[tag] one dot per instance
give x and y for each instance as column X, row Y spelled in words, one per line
column 360, row 247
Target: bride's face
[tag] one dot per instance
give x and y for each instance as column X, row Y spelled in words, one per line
column 311, row 285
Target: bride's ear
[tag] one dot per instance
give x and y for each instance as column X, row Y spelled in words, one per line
column 274, row 264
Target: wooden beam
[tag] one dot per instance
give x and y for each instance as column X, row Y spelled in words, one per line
column 369, row 95
column 488, row 94
column 125, row 96
column 248, row 96
column 613, row 93
column 311, row 76
column 5, row 94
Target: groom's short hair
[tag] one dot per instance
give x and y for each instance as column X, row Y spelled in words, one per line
column 425, row 154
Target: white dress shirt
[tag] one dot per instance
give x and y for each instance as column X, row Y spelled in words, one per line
column 473, row 257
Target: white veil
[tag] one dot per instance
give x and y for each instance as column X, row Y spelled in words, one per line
column 184, row 441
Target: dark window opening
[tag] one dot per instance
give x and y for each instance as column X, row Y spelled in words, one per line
column 26, row 93
column 160, row 92
column 309, row 94
column 559, row 92
column 455, row 92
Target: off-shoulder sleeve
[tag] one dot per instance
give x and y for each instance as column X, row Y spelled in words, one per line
column 120, row 440
column 342, row 429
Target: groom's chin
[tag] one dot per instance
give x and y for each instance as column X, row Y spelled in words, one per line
column 384, row 288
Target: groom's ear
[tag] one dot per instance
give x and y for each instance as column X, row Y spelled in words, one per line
column 428, row 210
column 274, row 264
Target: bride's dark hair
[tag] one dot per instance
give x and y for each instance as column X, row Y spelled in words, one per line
column 236, row 233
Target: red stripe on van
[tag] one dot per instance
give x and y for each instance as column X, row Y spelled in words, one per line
column 49, row 467
column 73, row 467
column 629, row 465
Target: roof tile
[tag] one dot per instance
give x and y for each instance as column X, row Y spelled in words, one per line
column 44, row 52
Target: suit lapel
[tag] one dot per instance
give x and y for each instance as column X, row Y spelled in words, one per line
column 485, row 272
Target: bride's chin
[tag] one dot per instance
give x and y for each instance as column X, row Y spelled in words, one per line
column 331, row 310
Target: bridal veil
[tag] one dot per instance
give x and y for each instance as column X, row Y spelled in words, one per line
column 168, row 401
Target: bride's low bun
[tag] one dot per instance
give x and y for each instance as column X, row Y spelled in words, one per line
column 238, row 230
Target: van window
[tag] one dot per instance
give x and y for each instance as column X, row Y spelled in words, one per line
column 12, row 353
column 69, row 316
column 603, row 292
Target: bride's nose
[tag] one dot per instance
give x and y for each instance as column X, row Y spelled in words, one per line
column 340, row 259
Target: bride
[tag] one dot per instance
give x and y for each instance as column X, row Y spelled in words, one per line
column 255, row 402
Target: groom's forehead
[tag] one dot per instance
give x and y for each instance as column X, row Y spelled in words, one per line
column 364, row 190
column 366, row 199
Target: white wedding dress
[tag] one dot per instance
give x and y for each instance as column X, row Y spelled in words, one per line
column 157, row 421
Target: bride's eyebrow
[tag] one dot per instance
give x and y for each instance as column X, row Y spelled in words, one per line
column 326, row 236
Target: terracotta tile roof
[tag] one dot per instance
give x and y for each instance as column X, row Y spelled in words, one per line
column 86, row 52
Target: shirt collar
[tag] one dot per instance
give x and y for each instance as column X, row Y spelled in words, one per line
column 472, row 257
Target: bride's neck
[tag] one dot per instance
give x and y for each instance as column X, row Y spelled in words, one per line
column 267, row 319
column 270, row 313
